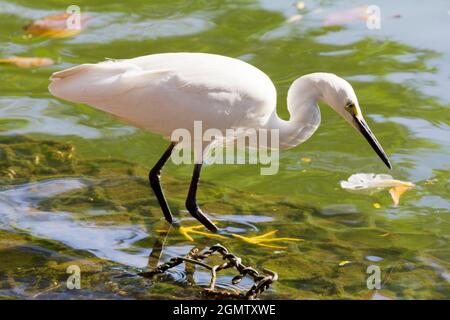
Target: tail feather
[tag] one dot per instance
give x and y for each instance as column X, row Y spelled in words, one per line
column 90, row 83
column 102, row 82
column 70, row 72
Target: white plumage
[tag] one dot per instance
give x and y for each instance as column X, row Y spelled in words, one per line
column 163, row 92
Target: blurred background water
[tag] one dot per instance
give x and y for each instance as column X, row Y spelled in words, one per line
column 73, row 178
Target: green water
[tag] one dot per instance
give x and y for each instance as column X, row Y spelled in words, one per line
column 73, row 183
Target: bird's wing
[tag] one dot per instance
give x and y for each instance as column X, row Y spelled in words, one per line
column 171, row 89
column 92, row 83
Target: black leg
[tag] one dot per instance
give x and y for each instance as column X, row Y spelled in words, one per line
column 154, row 178
column 191, row 201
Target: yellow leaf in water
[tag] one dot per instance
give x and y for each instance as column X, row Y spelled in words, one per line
column 376, row 205
column 343, row 263
column 28, row 62
column 305, row 159
column 56, row 26
column 396, row 193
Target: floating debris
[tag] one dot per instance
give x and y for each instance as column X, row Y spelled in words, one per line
column 305, row 159
column 375, row 182
column 344, row 263
column 295, row 18
column 56, row 26
column 361, row 181
column 261, row 281
column 28, row 62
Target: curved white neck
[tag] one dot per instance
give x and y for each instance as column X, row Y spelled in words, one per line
column 304, row 120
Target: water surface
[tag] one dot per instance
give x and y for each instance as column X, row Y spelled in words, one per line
column 73, row 184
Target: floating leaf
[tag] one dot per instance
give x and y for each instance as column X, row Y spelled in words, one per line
column 376, row 182
column 343, row 263
column 361, row 181
column 376, row 205
column 306, row 159
column 28, row 62
column 396, row 193
column 56, row 26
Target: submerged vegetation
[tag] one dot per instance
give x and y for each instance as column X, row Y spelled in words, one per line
column 331, row 262
column 73, row 181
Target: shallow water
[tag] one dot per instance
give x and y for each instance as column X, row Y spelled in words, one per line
column 74, row 189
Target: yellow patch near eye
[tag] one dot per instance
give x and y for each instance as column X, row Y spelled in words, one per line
column 351, row 108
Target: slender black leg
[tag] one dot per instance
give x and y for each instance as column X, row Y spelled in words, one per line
column 154, row 178
column 191, row 201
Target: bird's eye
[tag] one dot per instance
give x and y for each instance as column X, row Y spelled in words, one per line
column 351, row 108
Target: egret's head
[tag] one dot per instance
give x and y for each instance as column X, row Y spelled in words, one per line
column 339, row 94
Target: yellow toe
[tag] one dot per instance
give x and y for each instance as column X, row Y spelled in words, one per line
column 264, row 240
column 185, row 231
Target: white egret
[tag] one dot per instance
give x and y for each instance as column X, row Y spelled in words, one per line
column 163, row 92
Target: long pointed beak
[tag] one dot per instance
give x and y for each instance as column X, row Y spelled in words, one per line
column 370, row 137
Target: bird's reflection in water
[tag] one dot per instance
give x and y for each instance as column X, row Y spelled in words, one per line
column 234, row 287
column 157, row 249
column 188, row 272
column 157, row 252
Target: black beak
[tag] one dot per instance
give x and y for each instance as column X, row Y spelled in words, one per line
column 370, row 137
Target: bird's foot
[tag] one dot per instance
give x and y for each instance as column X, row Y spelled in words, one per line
column 186, row 231
column 264, row 240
